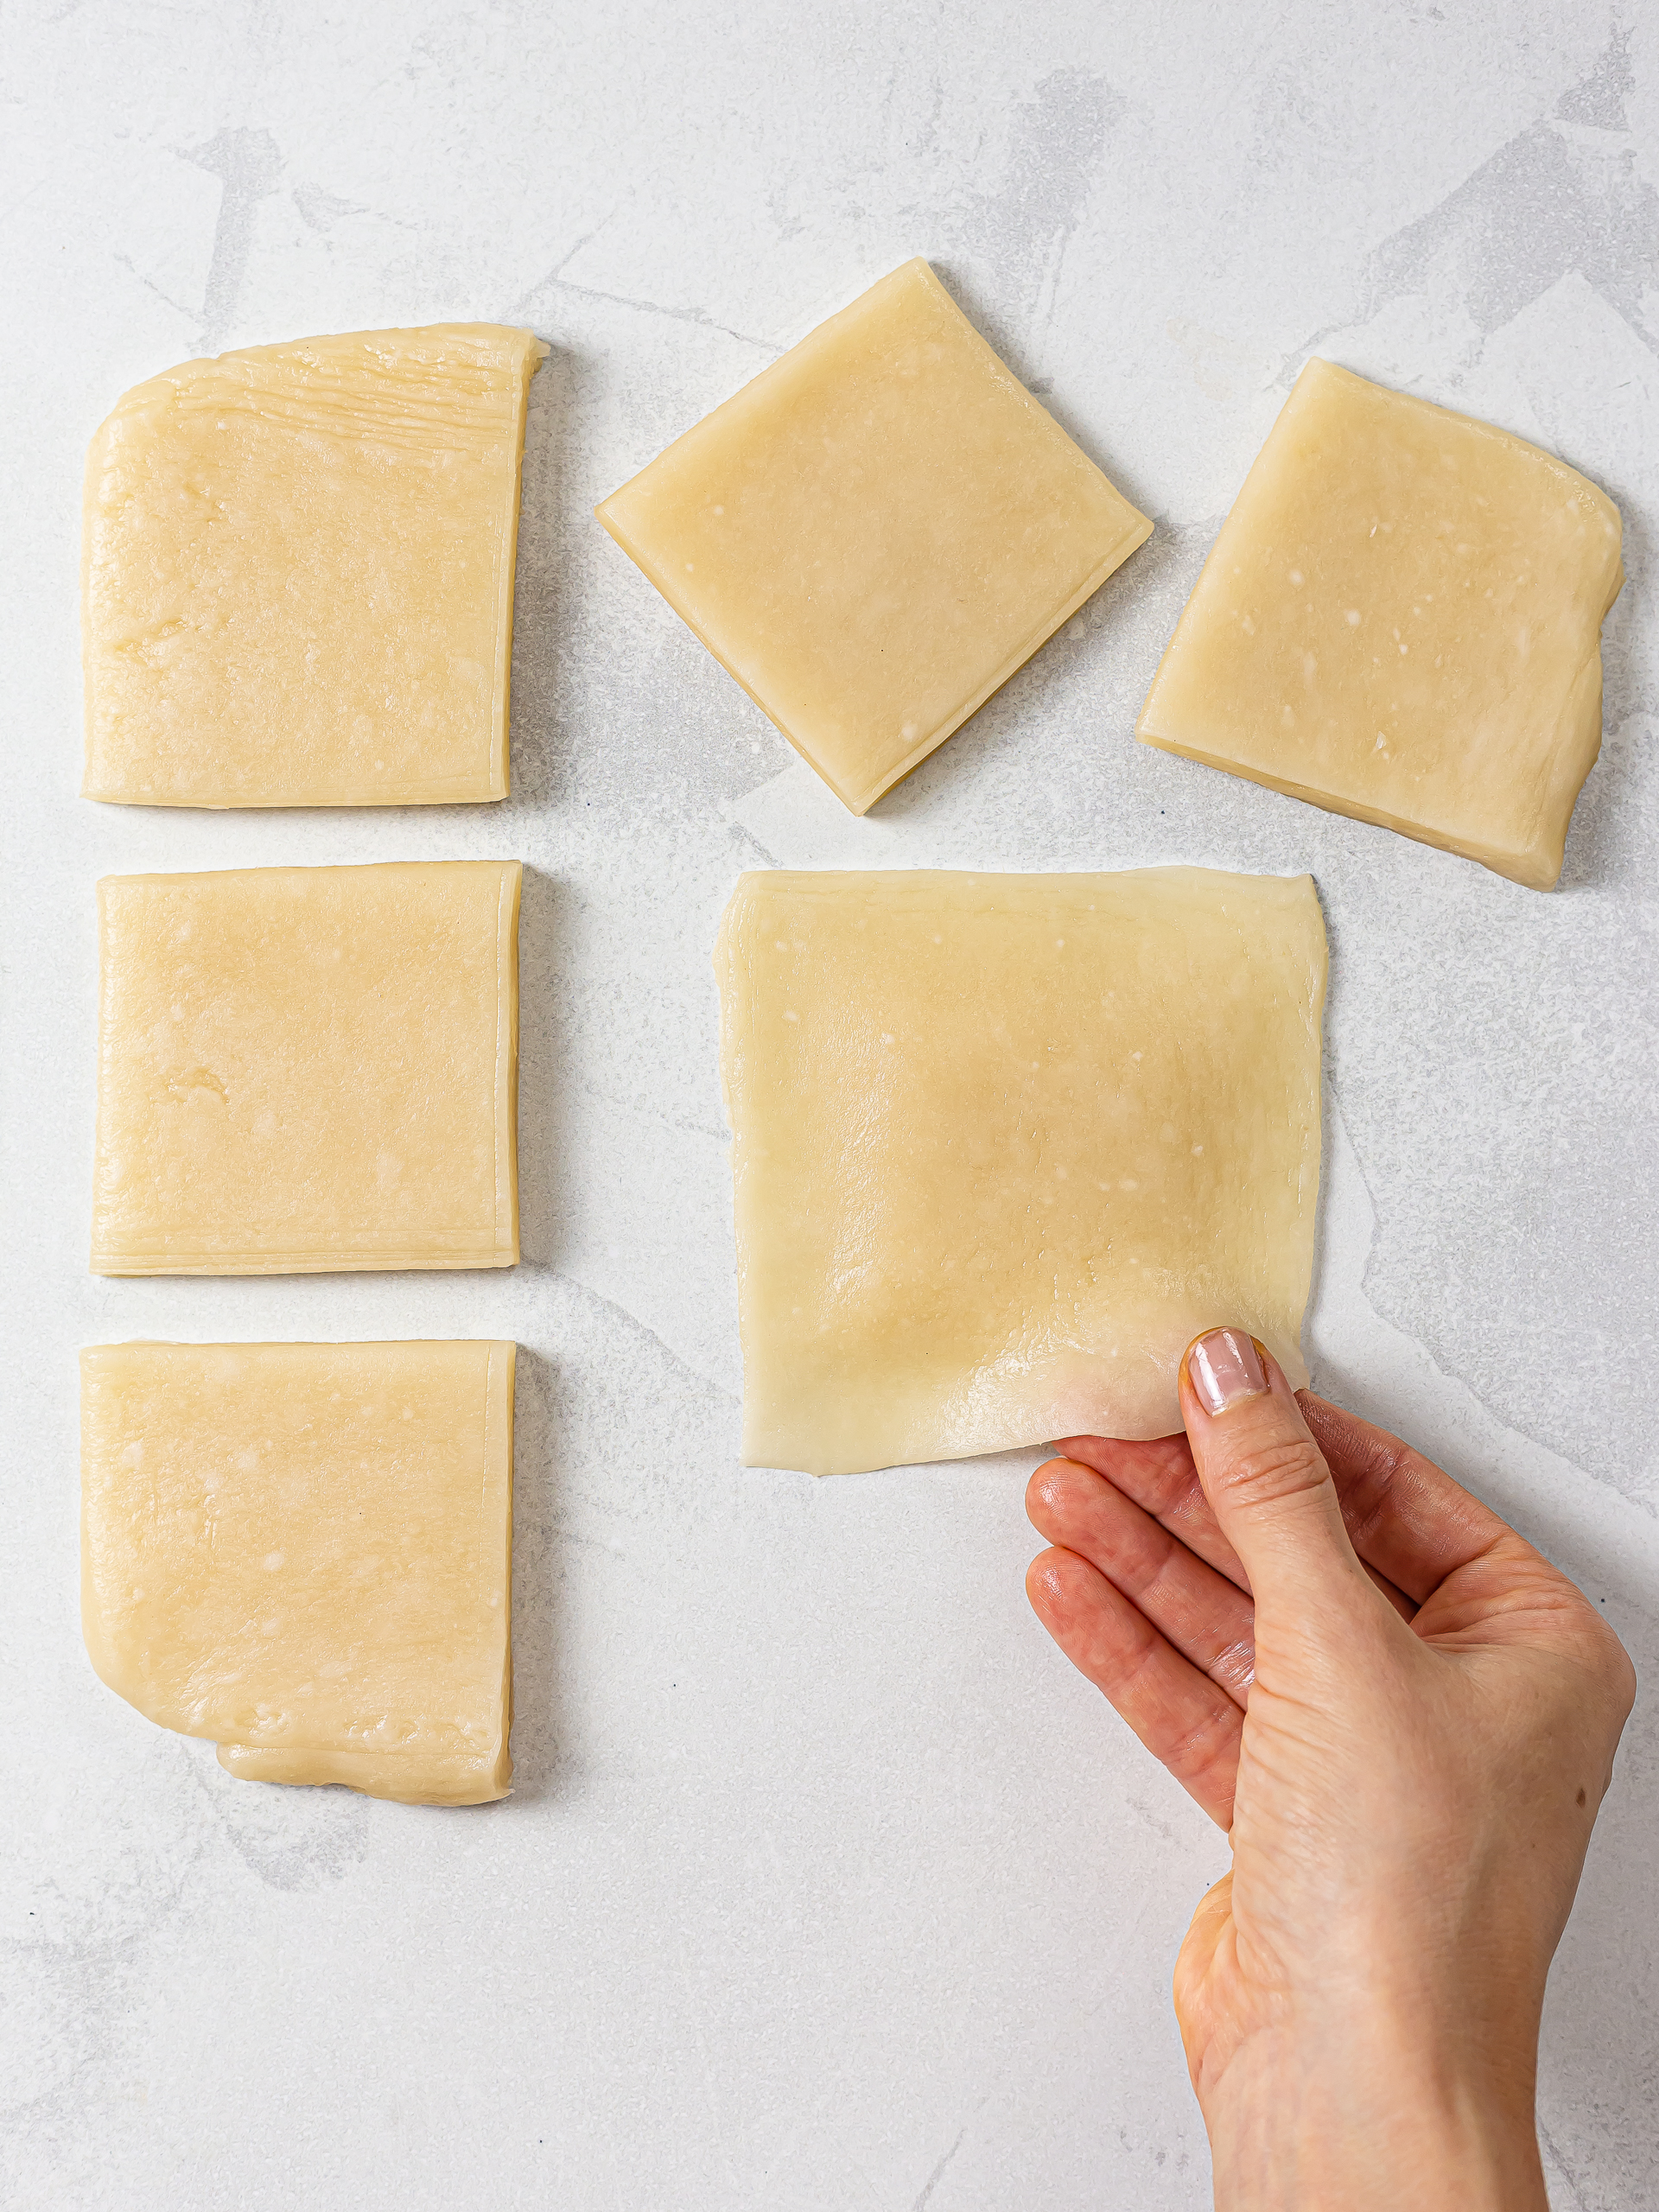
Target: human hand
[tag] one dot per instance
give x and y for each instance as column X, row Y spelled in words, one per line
column 1405, row 1717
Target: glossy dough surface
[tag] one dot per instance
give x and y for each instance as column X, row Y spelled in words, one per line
column 1004, row 1144
column 876, row 533
column 1400, row 620
column 303, row 1552
column 298, row 573
column 307, row 1068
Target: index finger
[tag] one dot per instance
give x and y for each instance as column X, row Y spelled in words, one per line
column 1160, row 1477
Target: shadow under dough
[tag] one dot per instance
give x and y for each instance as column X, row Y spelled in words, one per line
column 1604, row 842
column 539, row 1667
column 546, row 997
column 552, row 509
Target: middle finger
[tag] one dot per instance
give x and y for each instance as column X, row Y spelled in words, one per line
column 1160, row 1477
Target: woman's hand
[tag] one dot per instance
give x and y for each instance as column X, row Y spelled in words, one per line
column 1405, row 1717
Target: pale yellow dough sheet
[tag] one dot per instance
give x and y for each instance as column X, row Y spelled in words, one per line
column 876, row 533
column 1005, row 1144
column 302, row 1069
column 298, row 573
column 304, row 1552
column 1400, row 620
column 435, row 1781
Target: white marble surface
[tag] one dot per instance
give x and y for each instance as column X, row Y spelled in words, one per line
column 826, row 1883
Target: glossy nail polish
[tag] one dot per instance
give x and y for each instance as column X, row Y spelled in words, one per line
column 1225, row 1366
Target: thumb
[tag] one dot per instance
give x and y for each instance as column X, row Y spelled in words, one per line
column 1266, row 1478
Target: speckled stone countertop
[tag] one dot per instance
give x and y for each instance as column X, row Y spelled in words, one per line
column 826, row 1883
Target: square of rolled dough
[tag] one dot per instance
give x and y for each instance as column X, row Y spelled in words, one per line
column 876, row 533
column 1400, row 620
column 302, row 1069
column 304, row 1552
column 1005, row 1144
column 298, row 573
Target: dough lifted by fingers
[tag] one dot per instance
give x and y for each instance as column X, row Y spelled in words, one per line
column 1004, row 1144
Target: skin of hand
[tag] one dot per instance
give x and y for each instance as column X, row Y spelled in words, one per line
column 1404, row 1717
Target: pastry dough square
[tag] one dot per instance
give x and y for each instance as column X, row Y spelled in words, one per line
column 876, row 533
column 1400, row 620
column 1005, row 1144
column 304, row 1552
column 298, row 574
column 302, row 1069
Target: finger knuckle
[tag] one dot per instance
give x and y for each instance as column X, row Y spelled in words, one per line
column 1277, row 1468
column 1370, row 1490
column 1211, row 1738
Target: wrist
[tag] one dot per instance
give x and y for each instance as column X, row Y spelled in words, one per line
column 1300, row 2121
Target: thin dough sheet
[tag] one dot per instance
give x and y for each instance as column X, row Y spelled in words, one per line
column 1005, row 1144
column 1400, row 620
column 298, row 573
column 302, row 1069
column 877, row 533
column 303, row 1552
column 407, row 1778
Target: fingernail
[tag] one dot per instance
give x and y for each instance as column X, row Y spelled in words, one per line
column 1225, row 1366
